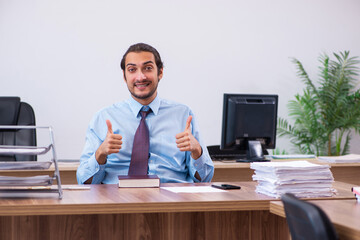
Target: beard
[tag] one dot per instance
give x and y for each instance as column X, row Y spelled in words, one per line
column 146, row 96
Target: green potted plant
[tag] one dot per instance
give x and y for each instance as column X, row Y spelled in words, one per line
column 328, row 110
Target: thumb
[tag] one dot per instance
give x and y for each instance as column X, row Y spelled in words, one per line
column 109, row 125
column 188, row 123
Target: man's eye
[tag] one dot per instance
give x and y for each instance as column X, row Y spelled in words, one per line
column 131, row 69
column 148, row 68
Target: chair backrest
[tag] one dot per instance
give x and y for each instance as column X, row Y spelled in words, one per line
column 306, row 220
column 15, row 112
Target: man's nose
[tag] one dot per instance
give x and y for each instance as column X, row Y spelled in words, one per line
column 140, row 76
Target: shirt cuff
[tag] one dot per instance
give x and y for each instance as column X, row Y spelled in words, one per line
column 93, row 169
column 99, row 174
column 199, row 165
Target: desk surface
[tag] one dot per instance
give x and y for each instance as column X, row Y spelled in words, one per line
column 229, row 171
column 109, row 199
column 344, row 214
column 109, row 212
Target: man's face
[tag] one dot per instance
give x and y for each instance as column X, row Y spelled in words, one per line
column 141, row 76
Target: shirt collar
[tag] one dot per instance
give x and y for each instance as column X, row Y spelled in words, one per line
column 135, row 106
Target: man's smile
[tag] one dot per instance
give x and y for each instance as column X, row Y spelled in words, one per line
column 142, row 85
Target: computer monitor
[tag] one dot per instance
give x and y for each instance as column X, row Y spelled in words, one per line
column 249, row 124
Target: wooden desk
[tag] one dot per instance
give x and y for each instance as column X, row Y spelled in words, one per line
column 344, row 214
column 224, row 172
column 107, row 212
column 233, row 171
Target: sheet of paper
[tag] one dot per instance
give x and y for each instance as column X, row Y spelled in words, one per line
column 295, row 156
column 350, row 158
column 196, row 189
column 4, row 149
column 24, row 165
column 285, row 166
column 75, row 187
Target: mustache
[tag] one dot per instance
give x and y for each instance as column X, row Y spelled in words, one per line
column 143, row 81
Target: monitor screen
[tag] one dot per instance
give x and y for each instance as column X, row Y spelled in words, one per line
column 249, row 119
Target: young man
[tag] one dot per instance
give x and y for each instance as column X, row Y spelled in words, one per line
column 176, row 152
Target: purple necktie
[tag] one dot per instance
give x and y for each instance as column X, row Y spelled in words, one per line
column 140, row 151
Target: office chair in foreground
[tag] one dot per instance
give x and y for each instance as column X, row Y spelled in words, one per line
column 14, row 112
column 306, row 220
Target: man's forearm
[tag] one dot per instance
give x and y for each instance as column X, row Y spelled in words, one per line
column 100, row 157
column 197, row 153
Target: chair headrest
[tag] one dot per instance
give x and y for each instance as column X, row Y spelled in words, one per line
column 9, row 110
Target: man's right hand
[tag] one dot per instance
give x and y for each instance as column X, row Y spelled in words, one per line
column 111, row 144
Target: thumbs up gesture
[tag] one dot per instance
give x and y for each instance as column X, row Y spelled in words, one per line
column 111, row 144
column 187, row 142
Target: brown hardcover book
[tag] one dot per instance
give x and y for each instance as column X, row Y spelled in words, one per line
column 139, row 181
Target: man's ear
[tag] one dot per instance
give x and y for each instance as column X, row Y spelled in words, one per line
column 160, row 75
column 124, row 76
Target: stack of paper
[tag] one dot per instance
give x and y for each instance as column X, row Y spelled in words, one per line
column 350, row 158
column 40, row 180
column 301, row 178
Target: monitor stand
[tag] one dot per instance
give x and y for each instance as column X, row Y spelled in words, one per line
column 254, row 153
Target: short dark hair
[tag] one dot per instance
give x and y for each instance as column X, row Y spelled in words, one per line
column 143, row 47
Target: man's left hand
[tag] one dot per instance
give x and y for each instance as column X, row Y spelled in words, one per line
column 187, row 142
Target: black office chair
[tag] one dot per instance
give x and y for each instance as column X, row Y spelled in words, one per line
column 306, row 220
column 15, row 112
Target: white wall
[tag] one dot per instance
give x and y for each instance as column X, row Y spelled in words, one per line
column 63, row 57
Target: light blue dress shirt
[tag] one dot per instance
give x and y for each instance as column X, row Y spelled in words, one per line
column 165, row 121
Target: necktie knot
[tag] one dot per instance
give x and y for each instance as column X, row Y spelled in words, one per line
column 145, row 110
